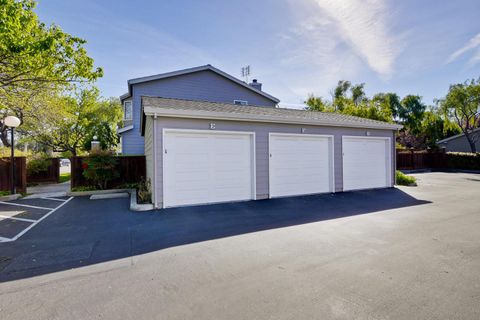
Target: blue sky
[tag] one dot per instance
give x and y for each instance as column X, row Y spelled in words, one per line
column 294, row 47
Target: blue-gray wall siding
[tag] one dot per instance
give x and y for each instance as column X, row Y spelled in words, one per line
column 261, row 144
column 202, row 85
column 461, row 144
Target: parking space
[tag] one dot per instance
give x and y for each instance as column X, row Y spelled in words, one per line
column 19, row 216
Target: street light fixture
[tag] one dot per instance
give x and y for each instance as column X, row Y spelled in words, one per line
column 12, row 122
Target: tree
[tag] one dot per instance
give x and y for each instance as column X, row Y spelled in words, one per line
column 462, row 103
column 411, row 113
column 75, row 120
column 340, row 94
column 388, row 103
column 35, row 58
column 358, row 93
column 317, row 104
column 435, row 127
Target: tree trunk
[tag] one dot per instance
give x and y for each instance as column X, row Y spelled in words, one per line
column 4, row 137
column 473, row 147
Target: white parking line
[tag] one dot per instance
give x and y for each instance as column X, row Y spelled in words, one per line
column 25, row 205
column 55, row 199
column 36, row 221
column 15, row 218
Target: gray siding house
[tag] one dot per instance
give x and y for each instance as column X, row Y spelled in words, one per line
column 204, row 83
column 459, row 143
column 208, row 152
column 209, row 137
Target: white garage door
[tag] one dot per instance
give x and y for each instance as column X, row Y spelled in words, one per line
column 366, row 163
column 300, row 164
column 207, row 167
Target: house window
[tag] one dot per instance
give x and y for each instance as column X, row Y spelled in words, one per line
column 127, row 111
column 240, row 102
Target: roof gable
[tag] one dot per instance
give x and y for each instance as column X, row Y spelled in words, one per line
column 198, row 69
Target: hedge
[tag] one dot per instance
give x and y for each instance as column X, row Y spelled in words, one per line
column 463, row 161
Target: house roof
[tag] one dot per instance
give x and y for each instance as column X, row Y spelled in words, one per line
column 207, row 67
column 455, row 136
column 180, row 108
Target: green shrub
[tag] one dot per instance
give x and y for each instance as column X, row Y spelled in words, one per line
column 144, row 191
column 84, row 188
column 99, row 168
column 38, row 163
column 4, row 193
column 404, row 180
column 463, row 160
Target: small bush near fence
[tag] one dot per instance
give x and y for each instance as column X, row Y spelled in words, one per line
column 463, row 161
column 37, row 164
column 404, row 180
column 99, row 168
column 109, row 172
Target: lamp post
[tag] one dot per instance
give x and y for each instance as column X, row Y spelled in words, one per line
column 12, row 122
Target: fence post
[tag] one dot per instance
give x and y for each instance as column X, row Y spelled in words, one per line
column 412, row 158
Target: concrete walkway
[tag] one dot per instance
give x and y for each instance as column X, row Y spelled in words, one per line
column 48, row 190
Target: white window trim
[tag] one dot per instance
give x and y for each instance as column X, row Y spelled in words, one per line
column 240, row 102
column 124, row 110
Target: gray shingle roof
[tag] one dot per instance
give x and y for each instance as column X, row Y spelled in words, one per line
column 213, row 110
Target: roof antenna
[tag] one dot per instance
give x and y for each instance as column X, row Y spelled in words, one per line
column 246, row 72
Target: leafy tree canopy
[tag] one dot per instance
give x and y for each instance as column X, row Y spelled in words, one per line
column 36, row 58
column 462, row 103
column 76, row 120
column 422, row 126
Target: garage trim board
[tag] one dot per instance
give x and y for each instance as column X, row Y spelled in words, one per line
column 318, row 150
column 357, row 178
column 209, row 140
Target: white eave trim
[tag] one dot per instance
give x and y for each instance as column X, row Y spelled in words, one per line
column 191, row 114
column 122, row 130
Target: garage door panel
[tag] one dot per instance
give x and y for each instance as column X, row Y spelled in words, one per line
column 366, row 163
column 207, row 167
column 300, row 164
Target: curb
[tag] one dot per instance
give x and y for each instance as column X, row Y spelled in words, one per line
column 134, row 206
column 95, row 192
column 10, row 197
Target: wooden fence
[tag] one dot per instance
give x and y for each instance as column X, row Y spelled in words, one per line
column 131, row 170
column 52, row 174
column 20, row 174
column 421, row 159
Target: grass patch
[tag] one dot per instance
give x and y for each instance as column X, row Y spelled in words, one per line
column 84, row 188
column 404, row 180
column 64, row 177
column 4, row 193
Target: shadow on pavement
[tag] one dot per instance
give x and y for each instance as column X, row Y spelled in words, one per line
column 86, row 232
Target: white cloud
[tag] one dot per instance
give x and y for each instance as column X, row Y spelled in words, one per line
column 363, row 25
column 472, row 44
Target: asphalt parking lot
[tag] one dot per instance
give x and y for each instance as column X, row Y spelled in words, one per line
column 404, row 253
column 20, row 216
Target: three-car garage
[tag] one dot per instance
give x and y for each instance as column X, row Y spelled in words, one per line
column 202, row 152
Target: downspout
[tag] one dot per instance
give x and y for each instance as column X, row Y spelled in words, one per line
column 154, row 189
